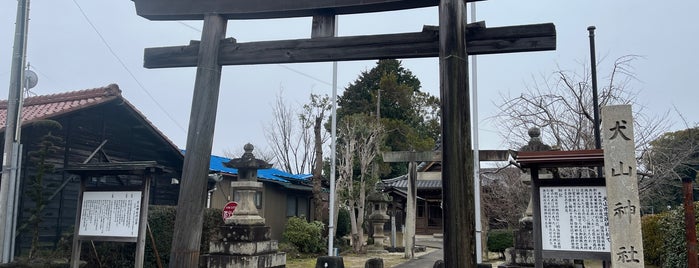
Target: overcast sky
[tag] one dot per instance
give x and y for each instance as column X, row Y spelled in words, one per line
column 68, row 54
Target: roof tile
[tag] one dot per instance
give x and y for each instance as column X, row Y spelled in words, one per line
column 42, row 107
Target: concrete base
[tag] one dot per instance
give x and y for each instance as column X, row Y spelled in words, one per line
column 233, row 261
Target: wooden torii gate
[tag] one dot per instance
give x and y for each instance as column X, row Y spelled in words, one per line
column 452, row 41
column 413, row 158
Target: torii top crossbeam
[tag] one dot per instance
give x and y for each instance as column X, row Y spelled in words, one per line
column 268, row 9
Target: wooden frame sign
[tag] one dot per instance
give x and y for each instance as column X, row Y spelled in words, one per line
column 113, row 213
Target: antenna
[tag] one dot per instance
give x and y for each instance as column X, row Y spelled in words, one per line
column 31, row 79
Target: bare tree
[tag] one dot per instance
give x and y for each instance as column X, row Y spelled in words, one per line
column 289, row 138
column 315, row 112
column 297, row 139
column 361, row 137
column 504, row 196
column 561, row 106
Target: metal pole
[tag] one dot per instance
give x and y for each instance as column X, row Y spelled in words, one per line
column 476, row 148
column 333, row 155
column 595, row 101
column 13, row 100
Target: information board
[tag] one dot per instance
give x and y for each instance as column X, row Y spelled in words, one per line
column 113, row 214
column 574, row 218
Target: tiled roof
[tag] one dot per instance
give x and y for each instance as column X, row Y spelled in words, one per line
column 49, row 106
column 487, row 175
column 272, row 174
column 421, row 184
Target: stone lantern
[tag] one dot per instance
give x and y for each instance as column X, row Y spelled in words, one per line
column 378, row 218
column 244, row 240
column 245, row 188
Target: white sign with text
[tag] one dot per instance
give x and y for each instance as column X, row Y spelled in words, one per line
column 574, row 218
column 114, row 214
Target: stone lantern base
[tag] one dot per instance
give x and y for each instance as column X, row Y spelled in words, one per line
column 244, row 247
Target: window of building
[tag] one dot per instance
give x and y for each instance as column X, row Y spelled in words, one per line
column 290, row 206
column 297, row 206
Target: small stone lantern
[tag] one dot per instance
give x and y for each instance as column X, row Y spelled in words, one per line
column 378, row 218
column 245, row 188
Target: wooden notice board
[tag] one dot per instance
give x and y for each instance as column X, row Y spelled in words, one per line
column 109, row 213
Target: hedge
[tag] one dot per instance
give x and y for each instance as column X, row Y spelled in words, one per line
column 499, row 240
column 161, row 220
column 664, row 243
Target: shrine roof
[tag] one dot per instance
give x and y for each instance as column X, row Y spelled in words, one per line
column 549, row 159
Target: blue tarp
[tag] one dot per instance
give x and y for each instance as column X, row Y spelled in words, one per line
column 273, row 174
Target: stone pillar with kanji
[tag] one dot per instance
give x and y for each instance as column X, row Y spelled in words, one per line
column 623, row 203
column 244, row 240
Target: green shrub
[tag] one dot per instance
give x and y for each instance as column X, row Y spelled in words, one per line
column 499, row 240
column 306, row 236
column 653, row 237
column 290, row 249
column 674, row 245
column 664, row 242
column 343, row 223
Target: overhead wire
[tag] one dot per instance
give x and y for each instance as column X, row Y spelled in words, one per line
column 123, row 65
column 145, row 90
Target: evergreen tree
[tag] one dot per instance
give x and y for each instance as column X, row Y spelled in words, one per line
column 410, row 117
column 48, row 144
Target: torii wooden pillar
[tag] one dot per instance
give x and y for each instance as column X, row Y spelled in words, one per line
column 457, row 157
column 451, row 43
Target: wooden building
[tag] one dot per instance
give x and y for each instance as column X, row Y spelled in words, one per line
column 283, row 195
column 428, row 214
column 95, row 125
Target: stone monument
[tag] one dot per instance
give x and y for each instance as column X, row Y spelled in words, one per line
column 378, row 218
column 244, row 240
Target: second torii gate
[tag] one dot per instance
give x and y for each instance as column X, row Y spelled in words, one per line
column 451, row 41
column 411, row 199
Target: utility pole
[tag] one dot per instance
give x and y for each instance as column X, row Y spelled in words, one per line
column 11, row 145
column 10, row 162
